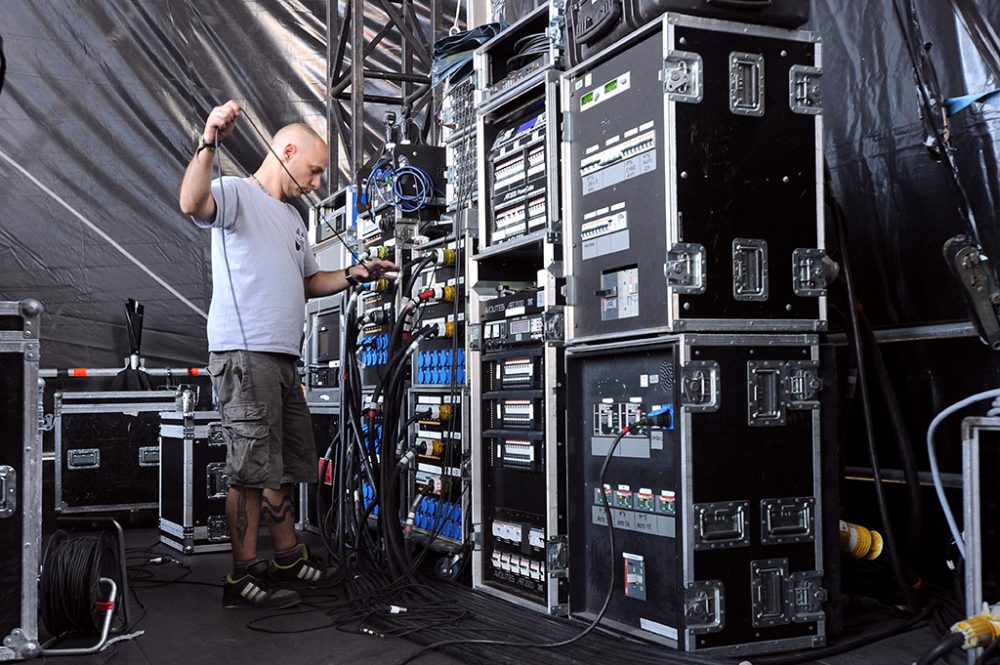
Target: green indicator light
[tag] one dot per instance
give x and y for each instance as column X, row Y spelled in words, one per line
column 586, row 99
column 610, row 85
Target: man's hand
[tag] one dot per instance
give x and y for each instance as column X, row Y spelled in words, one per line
column 372, row 269
column 221, row 121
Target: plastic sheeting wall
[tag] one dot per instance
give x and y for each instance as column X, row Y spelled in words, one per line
column 103, row 98
column 102, row 102
column 900, row 204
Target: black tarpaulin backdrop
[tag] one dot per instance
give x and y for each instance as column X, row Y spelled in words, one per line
column 103, row 98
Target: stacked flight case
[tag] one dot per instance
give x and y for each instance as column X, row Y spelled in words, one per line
column 693, row 202
column 193, row 484
column 107, row 449
column 981, row 514
column 516, row 309
column 20, row 478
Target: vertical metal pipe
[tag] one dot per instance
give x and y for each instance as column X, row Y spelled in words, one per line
column 357, row 88
column 332, row 137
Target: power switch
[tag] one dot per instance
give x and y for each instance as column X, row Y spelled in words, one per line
column 635, row 576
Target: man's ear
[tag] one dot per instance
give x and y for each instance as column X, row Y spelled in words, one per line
column 288, row 152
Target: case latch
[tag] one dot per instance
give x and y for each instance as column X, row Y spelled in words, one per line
column 802, row 383
column 700, row 386
column 806, row 596
column 704, row 606
column 8, row 491
column 803, row 90
column 686, row 268
column 808, row 272
column 554, row 324
column 682, row 77
column 557, row 556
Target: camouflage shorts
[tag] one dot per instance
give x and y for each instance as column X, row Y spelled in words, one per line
column 268, row 429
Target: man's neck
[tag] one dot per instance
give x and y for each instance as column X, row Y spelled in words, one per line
column 268, row 181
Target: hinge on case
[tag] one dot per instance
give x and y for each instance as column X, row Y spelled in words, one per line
column 477, row 536
column 803, row 90
column 682, row 77
column 704, row 606
column 809, row 276
column 700, row 386
column 473, row 334
column 555, row 324
column 569, row 290
column 557, row 556
column 686, row 268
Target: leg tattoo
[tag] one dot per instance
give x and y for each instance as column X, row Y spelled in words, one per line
column 242, row 521
column 280, row 511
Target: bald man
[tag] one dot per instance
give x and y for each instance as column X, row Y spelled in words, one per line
column 262, row 272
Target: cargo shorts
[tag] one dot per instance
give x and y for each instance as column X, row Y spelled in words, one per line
column 265, row 420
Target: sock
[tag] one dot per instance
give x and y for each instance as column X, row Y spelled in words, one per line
column 240, row 567
column 289, row 556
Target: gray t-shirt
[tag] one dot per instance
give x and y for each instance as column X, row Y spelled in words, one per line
column 268, row 257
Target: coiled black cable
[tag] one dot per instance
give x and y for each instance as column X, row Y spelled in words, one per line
column 70, row 584
column 528, row 48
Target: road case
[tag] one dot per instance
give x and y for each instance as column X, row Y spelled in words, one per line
column 193, row 487
column 693, row 182
column 107, row 450
column 717, row 511
column 593, row 25
column 20, row 478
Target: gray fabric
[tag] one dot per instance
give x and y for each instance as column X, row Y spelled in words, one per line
column 268, row 256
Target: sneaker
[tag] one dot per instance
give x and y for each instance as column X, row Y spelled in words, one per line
column 257, row 588
column 303, row 573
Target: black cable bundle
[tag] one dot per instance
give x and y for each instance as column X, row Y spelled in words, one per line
column 70, row 583
column 528, row 48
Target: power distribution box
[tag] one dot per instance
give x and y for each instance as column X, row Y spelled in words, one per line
column 717, row 512
column 693, row 187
